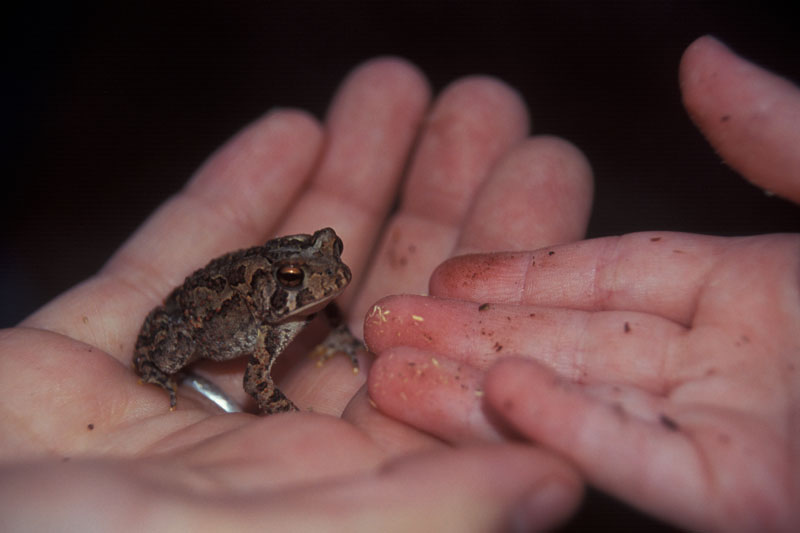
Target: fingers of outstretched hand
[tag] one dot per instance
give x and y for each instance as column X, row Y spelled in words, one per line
column 748, row 114
column 473, row 123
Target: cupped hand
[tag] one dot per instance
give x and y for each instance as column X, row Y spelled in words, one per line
column 665, row 366
column 79, row 431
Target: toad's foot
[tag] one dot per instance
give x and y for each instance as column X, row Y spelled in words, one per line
column 149, row 373
column 339, row 341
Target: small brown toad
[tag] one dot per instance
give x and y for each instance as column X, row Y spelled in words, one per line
column 247, row 303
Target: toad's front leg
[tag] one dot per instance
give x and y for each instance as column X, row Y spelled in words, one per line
column 258, row 384
column 258, row 381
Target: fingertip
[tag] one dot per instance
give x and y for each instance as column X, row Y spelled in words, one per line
column 383, row 318
column 394, row 73
column 696, row 67
column 293, row 117
column 701, row 48
column 292, row 124
column 278, row 139
column 491, row 95
column 566, row 152
column 538, row 194
column 575, row 182
column 387, row 380
column 447, row 276
column 389, row 67
column 485, row 277
column 431, row 392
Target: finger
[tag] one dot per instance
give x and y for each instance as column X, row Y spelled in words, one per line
column 539, row 194
column 370, row 129
column 482, row 489
column 551, row 412
column 472, row 124
column 748, row 114
column 502, row 482
column 473, row 489
column 659, row 273
column 617, row 346
column 222, row 208
column 675, row 465
column 431, row 392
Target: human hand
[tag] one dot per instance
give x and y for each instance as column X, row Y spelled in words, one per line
column 666, row 366
column 72, row 409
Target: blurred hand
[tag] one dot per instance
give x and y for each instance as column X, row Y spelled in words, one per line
column 80, row 434
column 665, row 366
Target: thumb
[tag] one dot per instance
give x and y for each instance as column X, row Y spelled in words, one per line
column 749, row 115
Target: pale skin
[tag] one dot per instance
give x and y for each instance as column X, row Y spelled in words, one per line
column 83, row 443
column 665, row 366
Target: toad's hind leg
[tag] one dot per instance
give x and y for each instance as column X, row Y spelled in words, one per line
column 162, row 349
column 149, row 373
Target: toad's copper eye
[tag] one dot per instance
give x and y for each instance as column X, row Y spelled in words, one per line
column 290, row 275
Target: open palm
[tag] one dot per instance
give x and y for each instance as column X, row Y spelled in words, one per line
column 72, row 408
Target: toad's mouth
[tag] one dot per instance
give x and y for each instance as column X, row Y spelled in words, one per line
column 311, row 308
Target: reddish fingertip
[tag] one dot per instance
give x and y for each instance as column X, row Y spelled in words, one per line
column 380, row 321
column 447, row 277
column 476, row 277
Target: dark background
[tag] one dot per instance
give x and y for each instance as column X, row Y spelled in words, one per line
column 110, row 108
